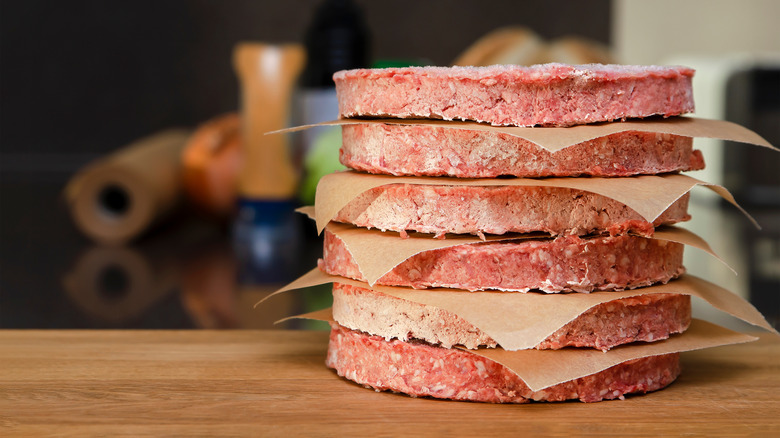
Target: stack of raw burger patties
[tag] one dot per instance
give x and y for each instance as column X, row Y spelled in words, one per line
column 594, row 242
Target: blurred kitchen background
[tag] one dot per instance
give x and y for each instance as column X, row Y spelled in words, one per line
column 82, row 80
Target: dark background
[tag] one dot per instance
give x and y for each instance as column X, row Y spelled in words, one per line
column 79, row 79
column 84, row 77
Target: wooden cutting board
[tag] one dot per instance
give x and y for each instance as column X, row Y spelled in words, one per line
column 275, row 383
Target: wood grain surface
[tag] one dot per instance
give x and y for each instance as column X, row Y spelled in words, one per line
column 275, row 383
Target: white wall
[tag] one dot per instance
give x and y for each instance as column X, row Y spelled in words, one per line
column 650, row 31
column 715, row 37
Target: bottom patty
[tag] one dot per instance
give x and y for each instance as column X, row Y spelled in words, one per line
column 646, row 318
column 419, row 369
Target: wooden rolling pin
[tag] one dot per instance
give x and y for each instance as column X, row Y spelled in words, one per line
column 118, row 197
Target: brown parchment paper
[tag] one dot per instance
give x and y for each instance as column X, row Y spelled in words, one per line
column 555, row 139
column 308, row 210
column 324, row 315
column 648, row 195
column 362, row 243
column 541, row 369
column 518, row 321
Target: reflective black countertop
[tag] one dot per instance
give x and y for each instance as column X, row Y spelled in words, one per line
column 188, row 273
column 185, row 273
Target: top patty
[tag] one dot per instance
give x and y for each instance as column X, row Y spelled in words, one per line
column 549, row 94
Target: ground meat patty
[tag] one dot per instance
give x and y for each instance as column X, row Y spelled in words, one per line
column 419, row 369
column 549, row 94
column 498, row 210
column 643, row 318
column 417, row 150
column 563, row 264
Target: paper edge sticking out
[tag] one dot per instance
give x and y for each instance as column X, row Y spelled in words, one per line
column 309, row 279
column 689, row 238
column 324, row 315
column 686, row 126
column 308, row 211
column 725, row 194
column 750, row 313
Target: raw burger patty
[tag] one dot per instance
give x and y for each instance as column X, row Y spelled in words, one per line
column 564, row 264
column 436, row 151
column 419, row 369
column 549, row 94
column 498, row 210
column 645, row 318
